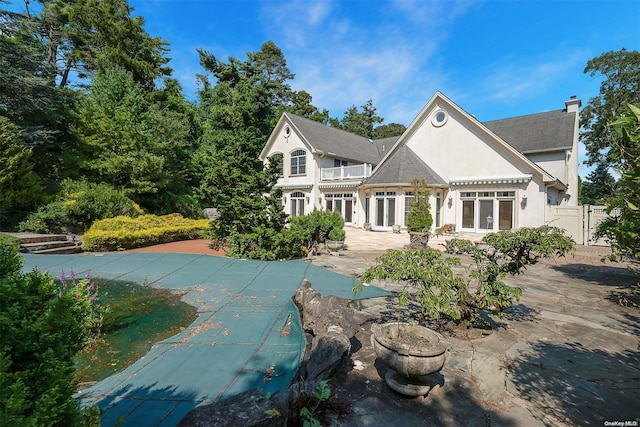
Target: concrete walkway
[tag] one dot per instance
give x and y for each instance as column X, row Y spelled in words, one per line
column 247, row 334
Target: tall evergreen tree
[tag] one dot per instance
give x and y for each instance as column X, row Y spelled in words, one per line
column 118, row 137
column 19, row 187
column 238, row 113
column 361, row 122
column 599, row 186
column 386, row 131
column 85, row 37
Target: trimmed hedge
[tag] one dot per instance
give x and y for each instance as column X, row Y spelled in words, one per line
column 124, row 232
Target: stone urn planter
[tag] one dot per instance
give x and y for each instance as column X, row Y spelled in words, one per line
column 413, row 354
column 335, row 245
column 418, row 239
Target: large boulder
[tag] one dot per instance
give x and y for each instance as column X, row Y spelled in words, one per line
column 322, row 314
column 327, row 352
column 211, row 213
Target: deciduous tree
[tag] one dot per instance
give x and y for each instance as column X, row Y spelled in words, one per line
column 620, row 73
column 622, row 228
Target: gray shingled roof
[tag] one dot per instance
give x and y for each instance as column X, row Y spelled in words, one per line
column 403, row 166
column 337, row 142
column 385, row 144
column 536, row 132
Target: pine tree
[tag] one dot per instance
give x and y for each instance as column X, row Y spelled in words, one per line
column 598, row 186
column 19, row 187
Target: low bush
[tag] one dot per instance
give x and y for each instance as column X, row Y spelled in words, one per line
column 458, row 246
column 43, row 325
column 431, row 282
column 10, row 241
column 77, row 206
column 267, row 244
column 337, row 234
column 123, row 232
column 315, row 227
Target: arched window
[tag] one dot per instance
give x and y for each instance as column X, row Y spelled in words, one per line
column 297, row 203
column 278, row 160
column 298, row 162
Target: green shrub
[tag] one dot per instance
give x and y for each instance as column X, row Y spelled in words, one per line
column 458, row 246
column 50, row 218
column 420, row 218
column 337, row 234
column 315, row 227
column 77, row 206
column 187, row 206
column 267, row 244
column 124, row 232
column 43, row 325
column 432, row 284
column 10, row 241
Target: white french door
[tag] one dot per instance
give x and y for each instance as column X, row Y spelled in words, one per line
column 385, row 209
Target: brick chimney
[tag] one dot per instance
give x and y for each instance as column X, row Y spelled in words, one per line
column 573, row 104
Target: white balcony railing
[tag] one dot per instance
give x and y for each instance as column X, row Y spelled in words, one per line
column 345, row 172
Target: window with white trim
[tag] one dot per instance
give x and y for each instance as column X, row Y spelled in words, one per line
column 488, row 210
column 297, row 203
column 298, row 162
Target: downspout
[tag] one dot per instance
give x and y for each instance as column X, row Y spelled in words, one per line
column 316, row 188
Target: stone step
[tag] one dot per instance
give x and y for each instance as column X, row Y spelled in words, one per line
column 40, row 246
column 70, row 249
column 26, row 238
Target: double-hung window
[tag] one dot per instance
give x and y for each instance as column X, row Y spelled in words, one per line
column 298, row 162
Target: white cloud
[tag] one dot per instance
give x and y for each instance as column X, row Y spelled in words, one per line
column 344, row 60
column 433, row 12
column 519, row 80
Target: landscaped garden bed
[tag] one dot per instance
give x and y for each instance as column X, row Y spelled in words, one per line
column 123, row 232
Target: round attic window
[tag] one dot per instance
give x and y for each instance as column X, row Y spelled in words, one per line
column 287, row 131
column 439, row 118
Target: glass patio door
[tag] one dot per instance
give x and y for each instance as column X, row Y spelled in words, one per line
column 385, row 209
column 341, row 203
column 486, row 217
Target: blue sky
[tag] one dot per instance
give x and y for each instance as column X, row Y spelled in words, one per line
column 495, row 59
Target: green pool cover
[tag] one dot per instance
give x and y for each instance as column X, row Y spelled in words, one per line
column 236, row 343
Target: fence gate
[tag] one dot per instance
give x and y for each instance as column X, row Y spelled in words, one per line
column 580, row 222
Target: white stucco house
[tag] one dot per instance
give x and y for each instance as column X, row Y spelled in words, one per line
column 483, row 177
